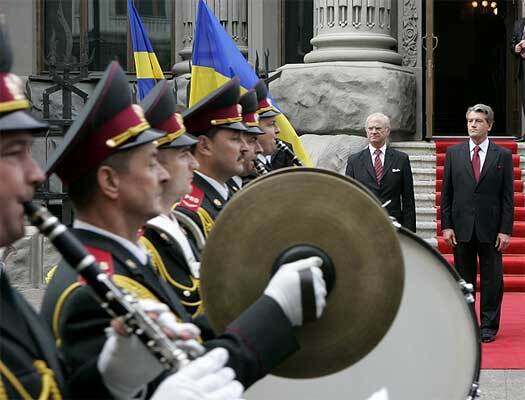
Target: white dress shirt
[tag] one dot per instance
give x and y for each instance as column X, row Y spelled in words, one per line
column 483, row 147
column 372, row 150
column 222, row 188
column 133, row 248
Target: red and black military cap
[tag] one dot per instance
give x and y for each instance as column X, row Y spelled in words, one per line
column 248, row 102
column 219, row 109
column 265, row 108
column 160, row 110
column 108, row 123
column 14, row 106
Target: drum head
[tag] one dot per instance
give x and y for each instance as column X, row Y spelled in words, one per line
column 431, row 352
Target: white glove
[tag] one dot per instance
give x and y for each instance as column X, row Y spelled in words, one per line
column 380, row 395
column 203, row 379
column 285, row 288
column 119, row 352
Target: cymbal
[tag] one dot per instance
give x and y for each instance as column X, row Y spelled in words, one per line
column 321, row 208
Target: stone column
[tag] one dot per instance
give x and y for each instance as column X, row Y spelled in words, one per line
column 353, row 30
column 232, row 14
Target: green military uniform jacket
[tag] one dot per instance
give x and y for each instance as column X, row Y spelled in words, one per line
column 27, row 350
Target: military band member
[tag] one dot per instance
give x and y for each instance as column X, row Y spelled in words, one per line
column 250, row 118
column 267, row 112
column 216, row 121
column 109, row 162
column 173, row 251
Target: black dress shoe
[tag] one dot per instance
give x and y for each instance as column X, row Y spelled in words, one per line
column 488, row 337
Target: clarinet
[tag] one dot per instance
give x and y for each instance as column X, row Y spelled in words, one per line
column 260, row 168
column 116, row 302
column 285, row 149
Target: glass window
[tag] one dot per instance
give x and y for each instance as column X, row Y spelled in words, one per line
column 104, row 25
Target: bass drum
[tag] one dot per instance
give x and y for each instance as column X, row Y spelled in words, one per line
column 431, row 352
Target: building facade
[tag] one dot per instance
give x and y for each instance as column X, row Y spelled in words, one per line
column 421, row 62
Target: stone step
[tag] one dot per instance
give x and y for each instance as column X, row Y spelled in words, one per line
column 422, row 161
column 426, row 214
column 424, row 174
column 424, row 186
column 415, row 148
column 425, row 200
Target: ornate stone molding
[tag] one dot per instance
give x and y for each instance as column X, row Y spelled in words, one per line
column 410, row 33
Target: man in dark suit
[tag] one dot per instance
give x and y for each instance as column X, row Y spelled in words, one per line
column 518, row 49
column 477, row 210
column 385, row 171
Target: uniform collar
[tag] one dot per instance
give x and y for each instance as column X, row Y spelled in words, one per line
column 221, row 188
column 133, row 248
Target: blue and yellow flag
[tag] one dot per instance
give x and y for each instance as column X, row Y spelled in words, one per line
column 216, row 59
column 146, row 63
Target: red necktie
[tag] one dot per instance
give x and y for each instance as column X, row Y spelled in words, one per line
column 476, row 163
column 377, row 165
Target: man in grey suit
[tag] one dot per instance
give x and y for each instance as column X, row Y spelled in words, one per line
column 477, row 212
column 385, row 171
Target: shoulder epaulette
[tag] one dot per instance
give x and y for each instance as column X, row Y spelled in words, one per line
column 192, row 201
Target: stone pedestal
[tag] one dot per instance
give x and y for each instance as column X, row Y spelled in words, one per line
column 336, row 97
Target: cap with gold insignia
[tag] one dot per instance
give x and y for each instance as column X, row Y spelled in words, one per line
column 108, row 123
column 14, row 105
column 265, row 108
column 248, row 102
column 219, row 109
column 160, row 111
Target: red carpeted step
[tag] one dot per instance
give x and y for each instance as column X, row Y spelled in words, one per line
column 440, row 160
column 512, row 283
column 513, row 264
column 516, row 246
column 439, row 173
column 442, row 145
column 519, row 199
column 518, row 186
column 518, row 229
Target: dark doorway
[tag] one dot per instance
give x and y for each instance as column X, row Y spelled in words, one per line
column 473, row 64
column 298, row 30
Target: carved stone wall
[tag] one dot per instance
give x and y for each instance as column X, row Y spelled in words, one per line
column 410, row 33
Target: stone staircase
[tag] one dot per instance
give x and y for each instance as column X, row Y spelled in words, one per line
column 423, row 162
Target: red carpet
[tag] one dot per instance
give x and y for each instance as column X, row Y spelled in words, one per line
column 508, row 351
column 514, row 255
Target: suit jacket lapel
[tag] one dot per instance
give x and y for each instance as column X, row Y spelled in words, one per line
column 366, row 158
column 389, row 158
column 465, row 155
column 490, row 159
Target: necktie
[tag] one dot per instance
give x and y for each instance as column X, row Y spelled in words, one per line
column 476, row 163
column 377, row 165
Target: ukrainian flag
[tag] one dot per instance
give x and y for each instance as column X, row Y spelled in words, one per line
column 216, row 59
column 146, row 64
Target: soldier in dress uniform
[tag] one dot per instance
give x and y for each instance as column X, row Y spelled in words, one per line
column 109, row 163
column 250, row 118
column 29, row 365
column 174, row 252
column 275, row 158
column 217, row 122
